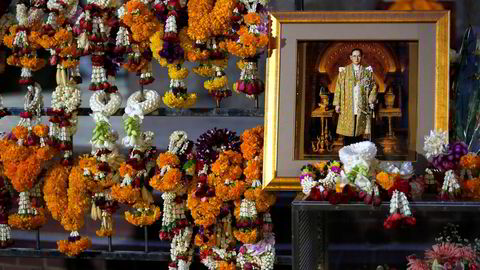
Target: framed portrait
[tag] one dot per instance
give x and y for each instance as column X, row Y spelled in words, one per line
column 335, row 78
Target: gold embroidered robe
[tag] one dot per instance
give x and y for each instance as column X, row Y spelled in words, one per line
column 344, row 98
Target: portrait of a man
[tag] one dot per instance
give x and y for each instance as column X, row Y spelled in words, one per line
column 351, row 91
column 354, row 99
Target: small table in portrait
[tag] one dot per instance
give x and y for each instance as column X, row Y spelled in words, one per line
column 320, row 144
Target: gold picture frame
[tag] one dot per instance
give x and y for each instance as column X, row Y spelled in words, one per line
column 429, row 29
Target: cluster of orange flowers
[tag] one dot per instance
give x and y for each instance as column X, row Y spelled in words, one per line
column 55, row 190
column 247, row 44
column 470, row 161
column 74, row 248
column 208, row 18
column 28, row 222
column 145, row 218
column 246, row 236
column 22, row 163
column 386, row 180
column 227, row 172
column 172, row 177
column 205, row 211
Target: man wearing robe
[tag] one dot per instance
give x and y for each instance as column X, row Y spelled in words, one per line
column 355, row 96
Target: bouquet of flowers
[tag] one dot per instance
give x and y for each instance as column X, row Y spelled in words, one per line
column 450, row 252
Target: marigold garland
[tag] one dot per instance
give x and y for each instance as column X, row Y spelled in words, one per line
column 204, row 211
column 105, row 232
column 206, row 19
column 470, row 161
column 205, row 240
column 204, row 70
column 385, row 180
column 263, row 199
column 182, row 101
column 252, row 145
column 144, row 218
column 74, row 248
column 216, row 83
column 126, row 194
column 28, row 222
column 177, row 74
column 223, row 265
column 167, row 159
column 168, row 182
column 55, row 190
column 246, row 236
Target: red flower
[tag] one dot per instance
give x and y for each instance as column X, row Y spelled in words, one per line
column 401, row 185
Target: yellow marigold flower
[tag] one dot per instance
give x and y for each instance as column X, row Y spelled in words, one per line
column 177, row 73
column 179, row 102
column 216, row 83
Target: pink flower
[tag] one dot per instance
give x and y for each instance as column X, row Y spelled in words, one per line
column 416, row 264
column 444, row 252
column 467, row 253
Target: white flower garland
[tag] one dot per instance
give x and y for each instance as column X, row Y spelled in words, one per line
column 399, row 203
column 5, row 233
column 450, row 183
column 178, row 142
column 97, row 102
column 151, row 103
column 435, row 143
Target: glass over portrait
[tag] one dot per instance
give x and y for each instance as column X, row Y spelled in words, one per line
column 351, row 91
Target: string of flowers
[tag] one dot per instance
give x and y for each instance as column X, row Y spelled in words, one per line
column 137, row 170
column 170, row 46
column 23, row 40
column 249, row 41
column 138, row 25
column 6, row 196
column 254, row 224
column 175, row 171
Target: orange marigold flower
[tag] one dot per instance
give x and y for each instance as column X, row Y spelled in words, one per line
column 55, row 190
column 126, row 194
column 20, row 132
column 211, row 240
column 246, row 236
column 74, row 248
column 127, row 169
column 28, row 222
column 144, row 219
column 251, row 18
column 167, row 158
column 385, row 180
column 223, row 265
column 41, row 130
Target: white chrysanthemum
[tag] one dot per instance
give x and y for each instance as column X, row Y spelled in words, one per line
column 435, row 143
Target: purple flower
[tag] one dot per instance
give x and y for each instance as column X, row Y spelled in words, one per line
column 171, row 51
column 335, row 169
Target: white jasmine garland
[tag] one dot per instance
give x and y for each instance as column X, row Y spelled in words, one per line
column 178, row 143
column 97, row 102
column 435, row 143
column 171, row 24
column 450, row 182
column 5, row 232
column 151, row 102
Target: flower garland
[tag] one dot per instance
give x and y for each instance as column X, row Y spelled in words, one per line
column 177, row 96
column 207, row 18
column 138, row 26
column 5, row 205
column 23, row 40
column 136, row 171
column 399, row 211
column 249, row 41
column 24, row 154
column 175, row 170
